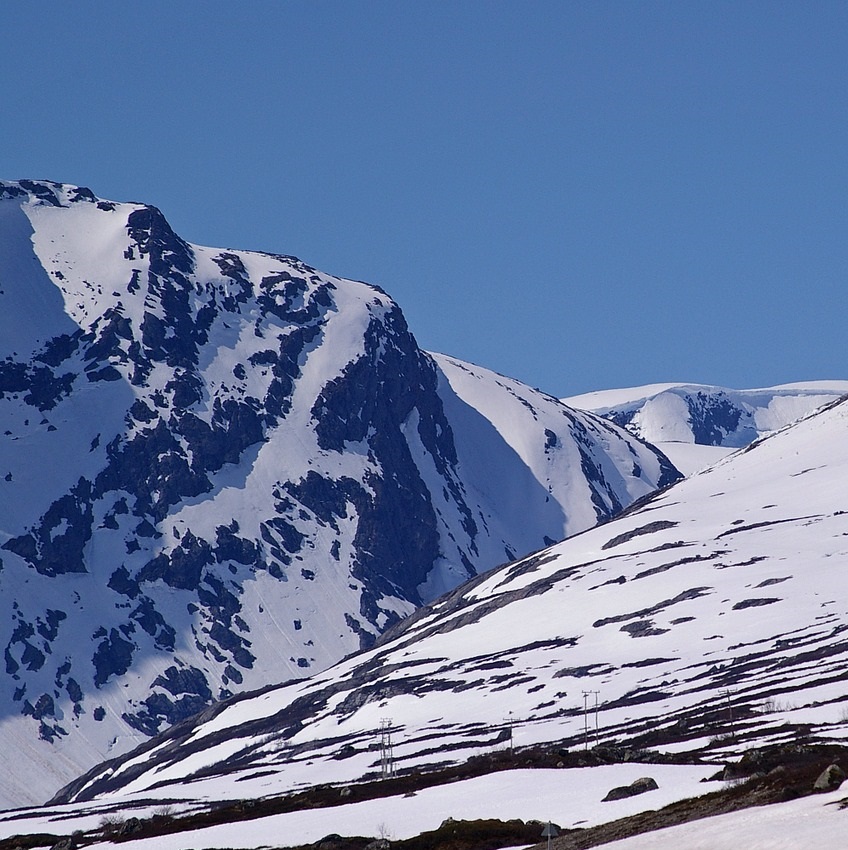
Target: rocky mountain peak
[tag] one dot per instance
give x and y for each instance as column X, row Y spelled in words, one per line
column 223, row 468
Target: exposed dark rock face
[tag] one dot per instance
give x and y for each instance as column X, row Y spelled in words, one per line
column 398, row 540
column 712, row 417
column 650, row 528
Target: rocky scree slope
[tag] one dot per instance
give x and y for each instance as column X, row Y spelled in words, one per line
column 220, row 469
column 708, row 620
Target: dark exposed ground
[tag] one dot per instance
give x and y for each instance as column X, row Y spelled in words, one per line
column 761, row 777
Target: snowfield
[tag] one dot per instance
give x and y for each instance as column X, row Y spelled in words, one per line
column 567, row 797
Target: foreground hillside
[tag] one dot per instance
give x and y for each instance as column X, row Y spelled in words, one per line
column 708, row 620
column 221, row 469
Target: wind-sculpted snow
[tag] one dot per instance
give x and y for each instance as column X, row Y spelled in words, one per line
column 711, row 618
column 221, row 469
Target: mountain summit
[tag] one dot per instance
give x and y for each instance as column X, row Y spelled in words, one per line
column 220, row 469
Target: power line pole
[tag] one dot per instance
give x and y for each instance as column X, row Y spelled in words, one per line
column 509, row 729
column 597, row 731
column 586, row 718
column 728, row 694
column 387, row 762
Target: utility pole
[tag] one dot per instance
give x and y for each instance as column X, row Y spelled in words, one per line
column 586, row 718
column 509, row 727
column 597, row 731
column 387, row 764
column 728, row 694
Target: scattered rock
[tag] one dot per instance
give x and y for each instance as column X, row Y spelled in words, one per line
column 638, row 786
column 644, row 783
column 830, row 778
column 130, row 826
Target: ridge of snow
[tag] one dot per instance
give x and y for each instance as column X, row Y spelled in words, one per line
column 603, row 400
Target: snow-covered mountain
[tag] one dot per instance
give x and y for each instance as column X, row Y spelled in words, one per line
column 697, row 424
column 221, row 468
column 709, row 619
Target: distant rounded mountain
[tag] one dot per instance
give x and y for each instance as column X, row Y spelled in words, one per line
column 697, row 424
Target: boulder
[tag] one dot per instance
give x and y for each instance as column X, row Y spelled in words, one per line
column 830, row 778
column 638, row 786
column 643, row 784
column 129, row 827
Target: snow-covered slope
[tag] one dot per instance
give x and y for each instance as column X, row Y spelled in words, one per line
column 570, row 798
column 220, row 469
column 558, row 471
column 814, row 821
column 709, row 619
column 696, row 425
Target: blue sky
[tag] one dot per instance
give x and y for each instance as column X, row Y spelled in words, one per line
column 582, row 195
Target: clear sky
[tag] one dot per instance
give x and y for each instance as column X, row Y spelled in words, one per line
column 582, row 195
